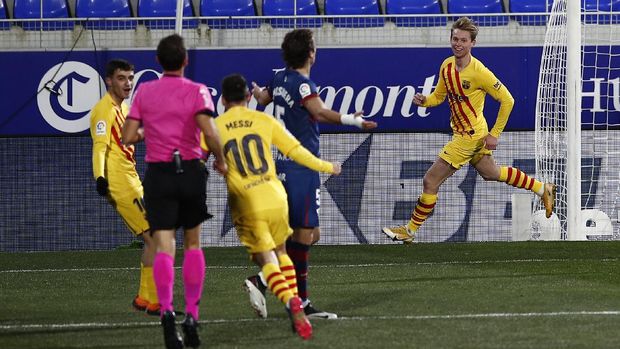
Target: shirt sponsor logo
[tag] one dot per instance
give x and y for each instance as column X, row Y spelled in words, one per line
column 304, row 90
column 100, row 128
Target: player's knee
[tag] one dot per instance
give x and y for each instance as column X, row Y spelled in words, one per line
column 429, row 185
column 316, row 236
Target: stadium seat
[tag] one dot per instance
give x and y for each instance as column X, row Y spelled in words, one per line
column 523, row 6
column 105, row 9
column 603, row 6
column 285, row 8
column 27, row 9
column 163, row 8
column 480, row 6
column 4, row 15
column 354, row 7
column 401, row 7
column 218, row 8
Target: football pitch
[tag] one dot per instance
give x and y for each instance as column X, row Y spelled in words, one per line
column 442, row 295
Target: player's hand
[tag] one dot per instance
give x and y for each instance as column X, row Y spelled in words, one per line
column 256, row 90
column 140, row 132
column 419, row 99
column 337, row 168
column 366, row 125
column 220, row 166
column 102, row 186
column 490, row 142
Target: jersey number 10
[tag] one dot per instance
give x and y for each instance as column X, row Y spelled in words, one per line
column 233, row 146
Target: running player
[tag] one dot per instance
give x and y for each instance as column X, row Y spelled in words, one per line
column 257, row 198
column 466, row 82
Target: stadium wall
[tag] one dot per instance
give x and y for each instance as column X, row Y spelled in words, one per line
column 48, row 199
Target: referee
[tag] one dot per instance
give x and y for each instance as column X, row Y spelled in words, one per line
column 173, row 111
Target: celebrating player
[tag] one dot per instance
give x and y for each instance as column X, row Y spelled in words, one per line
column 466, row 81
column 298, row 105
column 114, row 169
column 173, row 111
column 257, row 198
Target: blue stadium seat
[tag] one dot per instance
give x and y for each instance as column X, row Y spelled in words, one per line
column 354, row 7
column 105, row 9
column 26, row 9
column 402, row 7
column 603, row 6
column 518, row 6
column 4, row 15
column 165, row 8
column 285, row 8
column 480, row 6
column 246, row 8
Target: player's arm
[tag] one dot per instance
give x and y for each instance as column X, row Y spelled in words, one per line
column 212, row 139
column 203, row 146
column 99, row 151
column 290, row 147
column 500, row 93
column 100, row 131
column 435, row 98
column 132, row 132
column 262, row 95
column 317, row 108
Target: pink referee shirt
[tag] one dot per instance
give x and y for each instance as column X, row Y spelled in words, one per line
column 166, row 109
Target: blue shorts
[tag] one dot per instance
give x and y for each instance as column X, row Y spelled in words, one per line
column 303, row 188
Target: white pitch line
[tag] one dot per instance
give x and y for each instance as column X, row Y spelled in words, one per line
column 485, row 315
column 89, row 325
column 362, row 265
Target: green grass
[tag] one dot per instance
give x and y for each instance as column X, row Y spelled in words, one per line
column 476, row 295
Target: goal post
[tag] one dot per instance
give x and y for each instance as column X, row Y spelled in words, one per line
column 577, row 131
column 573, row 118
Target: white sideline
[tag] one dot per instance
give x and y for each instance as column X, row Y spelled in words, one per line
column 362, row 265
column 88, row 325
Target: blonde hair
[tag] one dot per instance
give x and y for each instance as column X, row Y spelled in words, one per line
column 466, row 24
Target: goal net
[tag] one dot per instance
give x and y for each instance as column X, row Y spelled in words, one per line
column 589, row 175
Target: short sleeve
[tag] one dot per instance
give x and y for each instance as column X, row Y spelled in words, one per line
column 307, row 90
column 204, row 102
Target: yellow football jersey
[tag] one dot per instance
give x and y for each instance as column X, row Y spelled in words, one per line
column 466, row 91
column 247, row 136
column 111, row 158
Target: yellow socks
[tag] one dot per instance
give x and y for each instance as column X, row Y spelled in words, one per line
column 151, row 290
column 143, row 290
column 288, row 270
column 518, row 179
column 422, row 210
column 277, row 283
